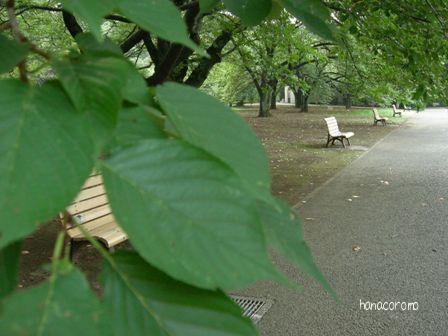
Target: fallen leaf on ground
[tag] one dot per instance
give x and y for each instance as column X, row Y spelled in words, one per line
column 25, row 252
column 356, row 248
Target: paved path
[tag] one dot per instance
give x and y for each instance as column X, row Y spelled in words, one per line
column 401, row 225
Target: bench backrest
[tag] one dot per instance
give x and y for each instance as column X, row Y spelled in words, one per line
column 91, row 207
column 375, row 114
column 332, row 125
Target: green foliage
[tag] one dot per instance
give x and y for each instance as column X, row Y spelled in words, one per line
column 252, row 12
column 159, row 305
column 63, row 306
column 94, row 85
column 13, row 52
column 9, row 268
column 284, row 234
column 137, row 123
column 189, row 110
column 313, row 14
column 207, row 5
column 145, row 13
column 43, row 162
column 184, row 175
column 163, row 191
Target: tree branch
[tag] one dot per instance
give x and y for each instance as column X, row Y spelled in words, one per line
column 71, row 24
column 17, row 35
column 132, row 40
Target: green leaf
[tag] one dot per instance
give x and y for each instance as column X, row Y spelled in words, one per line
column 87, row 43
column 160, row 17
column 11, row 53
column 135, row 88
column 91, row 12
column 63, row 306
column 45, row 156
column 251, row 12
column 95, row 86
column 144, row 301
column 207, row 123
column 314, row 14
column 185, row 213
column 9, row 268
column 207, row 6
column 138, row 123
column 284, row 234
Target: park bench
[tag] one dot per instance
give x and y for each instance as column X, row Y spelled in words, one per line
column 91, row 210
column 335, row 134
column 395, row 111
column 377, row 118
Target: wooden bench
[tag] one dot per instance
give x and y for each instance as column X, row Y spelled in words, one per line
column 91, row 210
column 396, row 112
column 334, row 133
column 377, row 118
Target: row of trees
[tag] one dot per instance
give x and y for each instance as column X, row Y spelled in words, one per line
column 382, row 53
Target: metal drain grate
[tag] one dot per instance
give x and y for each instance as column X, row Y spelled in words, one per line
column 254, row 308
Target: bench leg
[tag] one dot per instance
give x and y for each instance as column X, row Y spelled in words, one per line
column 73, row 247
column 348, row 141
column 328, row 140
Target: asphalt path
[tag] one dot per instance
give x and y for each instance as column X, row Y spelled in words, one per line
column 379, row 233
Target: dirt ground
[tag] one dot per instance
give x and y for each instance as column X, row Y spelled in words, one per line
column 299, row 163
column 295, row 144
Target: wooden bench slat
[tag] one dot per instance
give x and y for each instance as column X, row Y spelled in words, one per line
column 92, row 224
column 90, row 193
column 93, row 181
column 92, row 214
column 109, row 233
column 88, row 204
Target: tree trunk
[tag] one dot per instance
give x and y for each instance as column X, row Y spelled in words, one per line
column 298, row 95
column 305, row 103
column 348, row 101
column 274, row 100
column 265, row 103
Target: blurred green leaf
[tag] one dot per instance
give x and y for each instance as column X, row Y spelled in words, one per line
column 95, row 86
column 314, row 14
column 160, row 17
column 207, row 5
column 251, row 12
column 138, row 123
column 186, row 214
column 283, row 231
column 65, row 305
column 207, row 123
column 141, row 300
column 11, row 53
column 46, row 156
column 91, row 12
column 9, row 268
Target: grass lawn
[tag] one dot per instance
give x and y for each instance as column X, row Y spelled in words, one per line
column 295, row 143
